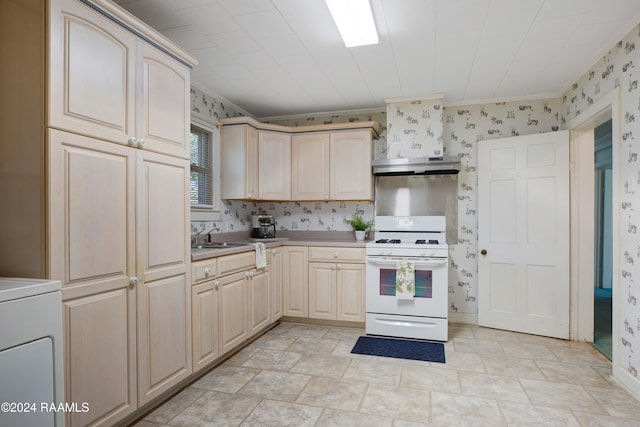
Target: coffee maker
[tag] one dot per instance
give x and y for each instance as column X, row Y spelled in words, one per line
column 263, row 226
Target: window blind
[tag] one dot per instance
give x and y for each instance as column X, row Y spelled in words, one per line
column 201, row 190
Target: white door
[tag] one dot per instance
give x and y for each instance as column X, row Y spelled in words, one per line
column 523, row 234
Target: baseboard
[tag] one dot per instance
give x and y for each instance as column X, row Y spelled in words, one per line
column 628, row 381
column 463, row 318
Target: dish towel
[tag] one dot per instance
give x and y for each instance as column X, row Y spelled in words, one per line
column 405, row 280
column 261, row 255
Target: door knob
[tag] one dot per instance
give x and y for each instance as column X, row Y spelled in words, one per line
column 483, row 252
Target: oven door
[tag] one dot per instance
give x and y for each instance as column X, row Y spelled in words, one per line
column 431, row 287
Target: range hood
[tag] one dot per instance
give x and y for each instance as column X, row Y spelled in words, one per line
column 417, row 166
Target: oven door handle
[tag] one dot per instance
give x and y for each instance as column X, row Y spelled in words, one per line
column 419, row 263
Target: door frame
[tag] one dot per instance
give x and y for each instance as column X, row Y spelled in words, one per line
column 582, row 233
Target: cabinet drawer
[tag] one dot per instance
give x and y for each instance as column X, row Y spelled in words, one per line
column 238, row 262
column 321, row 253
column 204, row 270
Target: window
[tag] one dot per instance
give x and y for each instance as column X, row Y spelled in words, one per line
column 201, row 167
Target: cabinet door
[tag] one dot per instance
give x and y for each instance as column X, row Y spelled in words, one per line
column 232, row 308
column 274, row 165
column 92, row 73
column 239, row 162
column 162, row 216
column 100, row 356
column 322, row 290
column 350, row 289
column 310, row 166
column 164, row 335
column 295, row 281
column 162, row 114
column 351, row 177
column 259, row 298
column 163, row 264
column 91, row 214
column 204, row 324
column 275, row 283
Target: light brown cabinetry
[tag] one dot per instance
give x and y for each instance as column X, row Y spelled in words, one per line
column 351, row 156
column 337, row 284
column 106, row 81
column 295, row 281
column 230, row 307
column 239, row 162
column 275, row 283
column 310, row 166
column 322, row 162
column 105, row 217
column 332, row 166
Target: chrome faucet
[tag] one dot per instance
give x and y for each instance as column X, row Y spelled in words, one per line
column 195, row 238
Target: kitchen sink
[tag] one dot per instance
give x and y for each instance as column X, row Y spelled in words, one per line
column 219, row 245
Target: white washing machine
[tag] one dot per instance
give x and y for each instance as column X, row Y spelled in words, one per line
column 31, row 366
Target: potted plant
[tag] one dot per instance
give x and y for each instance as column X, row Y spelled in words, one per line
column 359, row 225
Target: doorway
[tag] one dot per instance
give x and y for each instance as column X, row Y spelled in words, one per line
column 603, row 256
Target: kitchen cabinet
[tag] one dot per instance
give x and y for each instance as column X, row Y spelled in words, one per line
column 332, row 166
column 275, row 283
column 319, row 162
column 351, row 156
column 122, row 238
column 239, row 162
column 230, row 306
column 259, row 300
column 204, row 324
column 105, row 214
column 107, row 82
column 274, row 165
column 310, row 161
column 337, row 284
column 295, row 281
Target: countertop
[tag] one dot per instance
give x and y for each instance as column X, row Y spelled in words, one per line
column 293, row 238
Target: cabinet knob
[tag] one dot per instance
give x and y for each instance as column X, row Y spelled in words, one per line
column 339, row 267
column 335, row 254
column 483, row 252
column 140, row 143
column 133, row 281
column 132, row 141
column 326, row 197
column 207, row 272
column 333, row 266
column 249, row 196
column 216, row 284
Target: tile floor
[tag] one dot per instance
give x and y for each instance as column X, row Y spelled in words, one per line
column 305, row 375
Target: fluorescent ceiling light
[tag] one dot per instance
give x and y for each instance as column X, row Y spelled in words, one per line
column 354, row 20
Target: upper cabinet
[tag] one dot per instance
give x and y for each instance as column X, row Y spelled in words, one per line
column 107, row 83
column 332, row 166
column 274, row 166
column 351, row 154
column 310, row 166
column 323, row 162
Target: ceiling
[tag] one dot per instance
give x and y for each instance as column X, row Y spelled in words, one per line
column 285, row 57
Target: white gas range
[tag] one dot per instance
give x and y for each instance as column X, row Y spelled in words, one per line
column 407, row 278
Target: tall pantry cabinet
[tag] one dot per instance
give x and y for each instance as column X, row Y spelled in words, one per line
column 94, row 165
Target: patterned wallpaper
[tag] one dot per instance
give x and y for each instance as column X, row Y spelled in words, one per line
column 618, row 69
column 463, row 127
column 414, row 128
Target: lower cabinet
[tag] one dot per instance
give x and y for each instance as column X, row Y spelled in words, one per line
column 337, row 284
column 295, row 281
column 204, row 324
column 233, row 315
column 228, row 309
column 275, row 284
column 336, row 291
column 100, row 366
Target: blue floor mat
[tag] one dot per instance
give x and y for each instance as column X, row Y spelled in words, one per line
column 400, row 349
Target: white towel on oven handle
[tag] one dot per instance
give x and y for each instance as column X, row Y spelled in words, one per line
column 405, row 279
column 261, row 255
